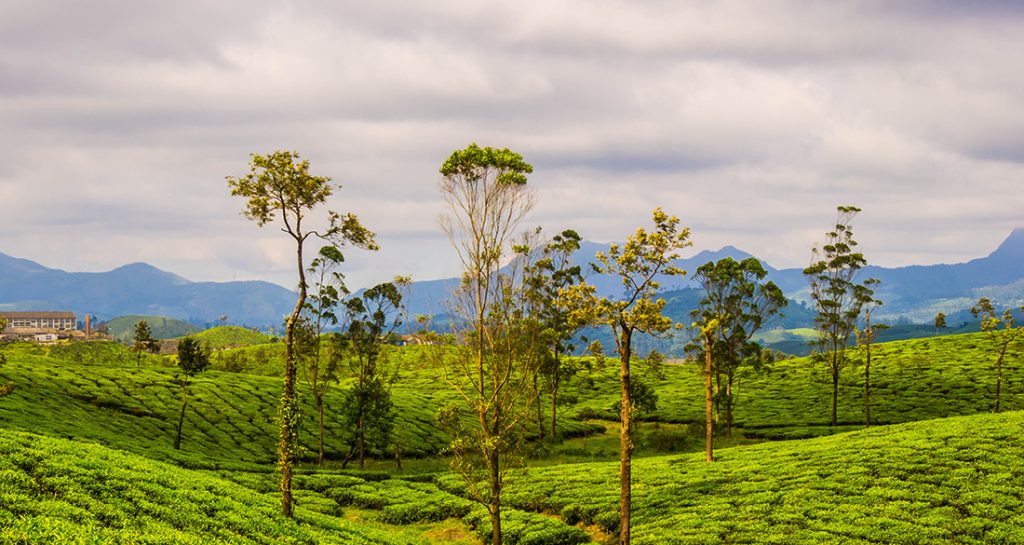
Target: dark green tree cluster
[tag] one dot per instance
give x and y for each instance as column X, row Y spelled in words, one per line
column 193, row 358
column 544, row 278
column 143, row 341
column 367, row 411
column 737, row 301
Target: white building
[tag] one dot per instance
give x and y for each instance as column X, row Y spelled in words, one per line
column 33, row 323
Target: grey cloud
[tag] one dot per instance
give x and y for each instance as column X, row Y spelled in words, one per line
column 750, row 121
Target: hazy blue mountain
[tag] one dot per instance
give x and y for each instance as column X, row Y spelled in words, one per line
column 139, row 288
column 912, row 294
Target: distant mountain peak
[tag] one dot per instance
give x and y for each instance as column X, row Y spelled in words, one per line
column 1013, row 246
column 145, row 270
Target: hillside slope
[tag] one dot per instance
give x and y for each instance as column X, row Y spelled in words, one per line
column 104, row 396
column 956, row 480
column 59, row 491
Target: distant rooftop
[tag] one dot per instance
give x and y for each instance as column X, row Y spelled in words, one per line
column 38, row 314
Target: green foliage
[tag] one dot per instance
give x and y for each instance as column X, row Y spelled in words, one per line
column 475, row 165
column 543, row 280
column 642, row 397
column 193, row 357
column 93, row 353
column 596, row 350
column 368, row 410
column 795, row 498
column 367, row 415
column 231, row 416
column 142, row 340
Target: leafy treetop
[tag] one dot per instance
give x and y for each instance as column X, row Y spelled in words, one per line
column 280, row 183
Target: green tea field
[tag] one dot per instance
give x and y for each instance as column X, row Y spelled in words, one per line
column 86, row 434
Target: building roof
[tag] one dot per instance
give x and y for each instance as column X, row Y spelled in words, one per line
column 37, row 314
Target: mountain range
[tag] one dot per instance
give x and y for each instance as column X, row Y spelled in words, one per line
column 910, row 294
column 915, row 293
column 139, row 288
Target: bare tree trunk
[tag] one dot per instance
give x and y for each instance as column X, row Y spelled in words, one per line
column 708, row 425
column 495, row 499
column 181, row 421
column 625, row 441
column 540, row 416
column 728, row 407
column 835, row 396
column 999, row 376
column 867, row 388
column 362, row 442
column 320, row 414
column 554, row 414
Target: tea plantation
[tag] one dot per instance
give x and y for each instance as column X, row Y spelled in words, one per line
column 956, row 480
column 86, row 433
column 59, row 491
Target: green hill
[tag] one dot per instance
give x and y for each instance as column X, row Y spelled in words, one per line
column 230, row 336
column 231, row 414
column 912, row 380
column 230, row 417
column 954, row 480
column 122, row 328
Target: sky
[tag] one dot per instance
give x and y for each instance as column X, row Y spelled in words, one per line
column 750, row 121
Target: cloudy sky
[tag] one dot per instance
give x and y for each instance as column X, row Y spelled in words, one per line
column 750, row 121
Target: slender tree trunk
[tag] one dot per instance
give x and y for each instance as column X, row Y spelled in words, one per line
column 181, row 420
column 709, row 427
column 625, row 440
column 540, row 416
column 718, row 399
column 554, row 414
column 320, row 415
column 728, row 406
column 867, row 387
column 362, row 440
column 835, row 396
column 289, row 410
column 495, row 499
column 999, row 376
